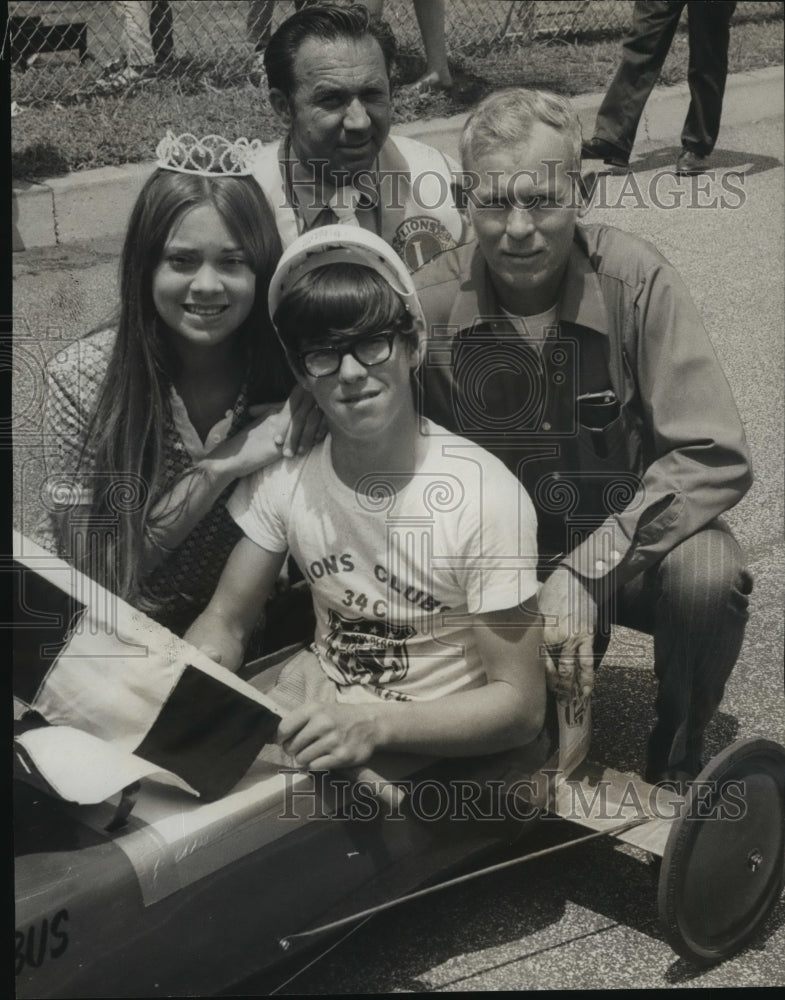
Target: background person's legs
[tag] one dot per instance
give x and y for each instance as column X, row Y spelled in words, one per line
column 136, row 32
column 375, row 7
column 258, row 23
column 709, row 28
column 162, row 31
column 147, row 39
column 430, row 18
column 259, row 20
column 259, row 28
column 643, row 53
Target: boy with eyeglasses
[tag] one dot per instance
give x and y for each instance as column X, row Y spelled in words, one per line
column 419, row 546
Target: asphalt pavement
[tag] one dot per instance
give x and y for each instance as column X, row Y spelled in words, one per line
column 585, row 918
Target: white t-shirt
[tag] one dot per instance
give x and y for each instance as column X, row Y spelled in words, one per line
column 397, row 567
column 536, row 328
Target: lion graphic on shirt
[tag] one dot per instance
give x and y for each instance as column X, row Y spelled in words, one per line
column 367, row 651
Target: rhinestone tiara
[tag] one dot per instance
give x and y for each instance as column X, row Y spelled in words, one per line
column 213, row 155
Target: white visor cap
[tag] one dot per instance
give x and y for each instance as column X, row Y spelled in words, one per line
column 345, row 245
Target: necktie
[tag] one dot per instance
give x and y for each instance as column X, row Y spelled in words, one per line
column 343, row 205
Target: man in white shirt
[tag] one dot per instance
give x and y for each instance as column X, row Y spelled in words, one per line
column 328, row 71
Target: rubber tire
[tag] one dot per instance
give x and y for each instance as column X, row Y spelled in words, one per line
column 723, row 867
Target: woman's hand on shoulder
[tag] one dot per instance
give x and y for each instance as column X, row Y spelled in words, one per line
column 278, row 429
column 250, row 449
column 296, row 425
column 306, row 426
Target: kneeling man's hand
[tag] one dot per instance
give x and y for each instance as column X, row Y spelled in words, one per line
column 570, row 623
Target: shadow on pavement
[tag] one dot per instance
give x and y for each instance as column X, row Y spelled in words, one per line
column 623, row 715
column 683, row 972
column 721, row 159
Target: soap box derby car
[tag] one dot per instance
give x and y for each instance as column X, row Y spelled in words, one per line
column 156, row 855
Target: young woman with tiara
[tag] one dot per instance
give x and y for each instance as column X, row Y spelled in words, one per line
column 150, row 423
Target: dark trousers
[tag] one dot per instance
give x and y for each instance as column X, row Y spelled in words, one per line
column 259, row 20
column 161, row 31
column 694, row 602
column 643, row 53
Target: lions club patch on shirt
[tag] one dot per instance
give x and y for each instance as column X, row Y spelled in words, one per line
column 419, row 238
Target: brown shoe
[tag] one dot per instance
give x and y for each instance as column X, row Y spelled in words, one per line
column 690, row 163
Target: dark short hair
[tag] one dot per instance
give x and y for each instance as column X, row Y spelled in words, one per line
column 339, row 299
column 325, row 23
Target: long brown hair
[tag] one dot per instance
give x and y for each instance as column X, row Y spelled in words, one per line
column 125, row 436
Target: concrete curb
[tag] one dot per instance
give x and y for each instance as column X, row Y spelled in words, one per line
column 93, row 204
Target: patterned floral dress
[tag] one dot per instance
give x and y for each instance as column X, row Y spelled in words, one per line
column 180, row 586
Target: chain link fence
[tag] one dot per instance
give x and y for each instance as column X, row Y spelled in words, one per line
column 62, row 50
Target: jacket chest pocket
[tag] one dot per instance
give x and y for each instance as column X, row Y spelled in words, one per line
column 608, row 451
column 601, row 427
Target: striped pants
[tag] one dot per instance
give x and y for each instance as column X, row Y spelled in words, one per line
column 694, row 603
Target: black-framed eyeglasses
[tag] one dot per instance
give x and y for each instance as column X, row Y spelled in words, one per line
column 369, row 351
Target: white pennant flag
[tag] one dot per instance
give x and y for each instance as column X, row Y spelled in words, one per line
column 85, row 660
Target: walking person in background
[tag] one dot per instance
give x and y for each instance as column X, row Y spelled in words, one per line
column 148, row 39
column 430, row 18
column 643, row 54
